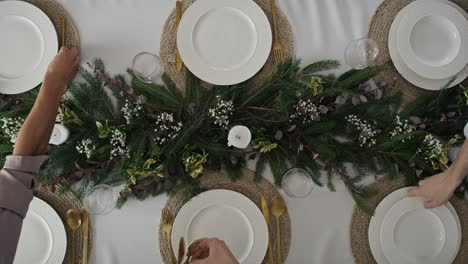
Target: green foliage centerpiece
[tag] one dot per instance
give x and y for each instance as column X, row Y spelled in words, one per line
column 153, row 139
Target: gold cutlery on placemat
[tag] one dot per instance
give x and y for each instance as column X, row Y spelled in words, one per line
column 277, row 48
column 178, row 18
column 73, row 218
column 278, row 207
column 167, row 227
column 63, row 27
column 266, row 215
column 85, row 233
column 181, row 251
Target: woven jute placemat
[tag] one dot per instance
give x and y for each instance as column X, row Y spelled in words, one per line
column 246, row 186
column 360, row 223
column 378, row 30
column 55, row 12
column 169, row 44
column 62, row 203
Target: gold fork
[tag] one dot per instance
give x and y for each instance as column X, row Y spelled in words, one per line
column 277, row 48
column 167, row 227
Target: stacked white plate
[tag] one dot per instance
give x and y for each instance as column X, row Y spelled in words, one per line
column 28, row 44
column 224, row 42
column 226, row 215
column 43, row 238
column 402, row 231
column 428, row 44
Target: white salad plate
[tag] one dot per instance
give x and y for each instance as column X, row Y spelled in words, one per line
column 410, row 75
column 224, row 42
column 226, row 215
column 433, row 38
column 381, row 211
column 28, row 44
column 43, row 238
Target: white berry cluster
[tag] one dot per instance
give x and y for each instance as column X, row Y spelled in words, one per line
column 118, row 139
column 402, row 128
column 222, row 112
column 431, row 148
column 367, row 133
column 167, row 128
column 11, row 127
column 306, row 111
column 86, row 147
column 131, row 111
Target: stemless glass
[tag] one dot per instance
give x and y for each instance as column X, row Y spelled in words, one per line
column 361, row 53
column 297, row 183
column 147, row 67
column 100, row 199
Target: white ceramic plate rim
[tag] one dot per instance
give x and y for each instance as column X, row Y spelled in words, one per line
column 57, row 229
column 203, row 70
column 43, row 22
column 376, row 221
column 407, row 73
column 409, row 204
column 230, row 198
column 418, row 10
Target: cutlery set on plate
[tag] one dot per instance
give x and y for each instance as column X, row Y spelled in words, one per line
column 225, row 42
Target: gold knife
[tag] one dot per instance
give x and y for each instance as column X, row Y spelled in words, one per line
column 63, row 27
column 181, row 254
column 179, row 62
column 85, row 232
column 266, row 215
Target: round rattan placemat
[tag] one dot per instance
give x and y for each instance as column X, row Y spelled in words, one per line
column 360, row 223
column 378, row 30
column 55, row 12
column 248, row 187
column 169, row 44
column 61, row 202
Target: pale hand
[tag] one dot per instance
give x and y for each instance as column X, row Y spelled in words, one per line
column 63, row 68
column 219, row 253
column 436, row 190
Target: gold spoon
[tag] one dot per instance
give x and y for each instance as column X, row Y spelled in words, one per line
column 277, row 209
column 73, row 218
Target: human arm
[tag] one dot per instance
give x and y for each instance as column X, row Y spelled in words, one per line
column 219, row 253
column 20, row 171
column 438, row 189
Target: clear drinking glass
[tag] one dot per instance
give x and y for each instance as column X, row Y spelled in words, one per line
column 297, row 183
column 99, row 200
column 147, row 67
column 361, row 53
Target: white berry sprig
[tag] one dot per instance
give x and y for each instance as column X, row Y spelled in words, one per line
column 305, row 111
column 222, row 113
column 166, row 129
column 366, row 132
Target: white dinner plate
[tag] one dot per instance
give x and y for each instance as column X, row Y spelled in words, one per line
column 28, row 44
column 226, row 215
column 43, row 238
column 412, row 234
column 376, row 221
column 406, row 72
column 224, row 42
column 433, row 39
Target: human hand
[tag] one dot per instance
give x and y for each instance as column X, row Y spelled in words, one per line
column 63, row 68
column 436, row 190
column 219, row 253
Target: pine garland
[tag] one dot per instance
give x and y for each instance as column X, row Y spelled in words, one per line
column 154, row 140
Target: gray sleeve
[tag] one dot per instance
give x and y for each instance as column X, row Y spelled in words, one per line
column 17, row 181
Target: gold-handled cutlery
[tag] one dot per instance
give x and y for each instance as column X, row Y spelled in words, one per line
column 178, row 18
column 266, row 215
column 167, row 228
column 181, row 251
column 73, row 218
column 278, row 207
column 85, row 233
column 63, row 27
column 277, row 48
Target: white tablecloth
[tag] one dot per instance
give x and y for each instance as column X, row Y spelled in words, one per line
column 116, row 30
